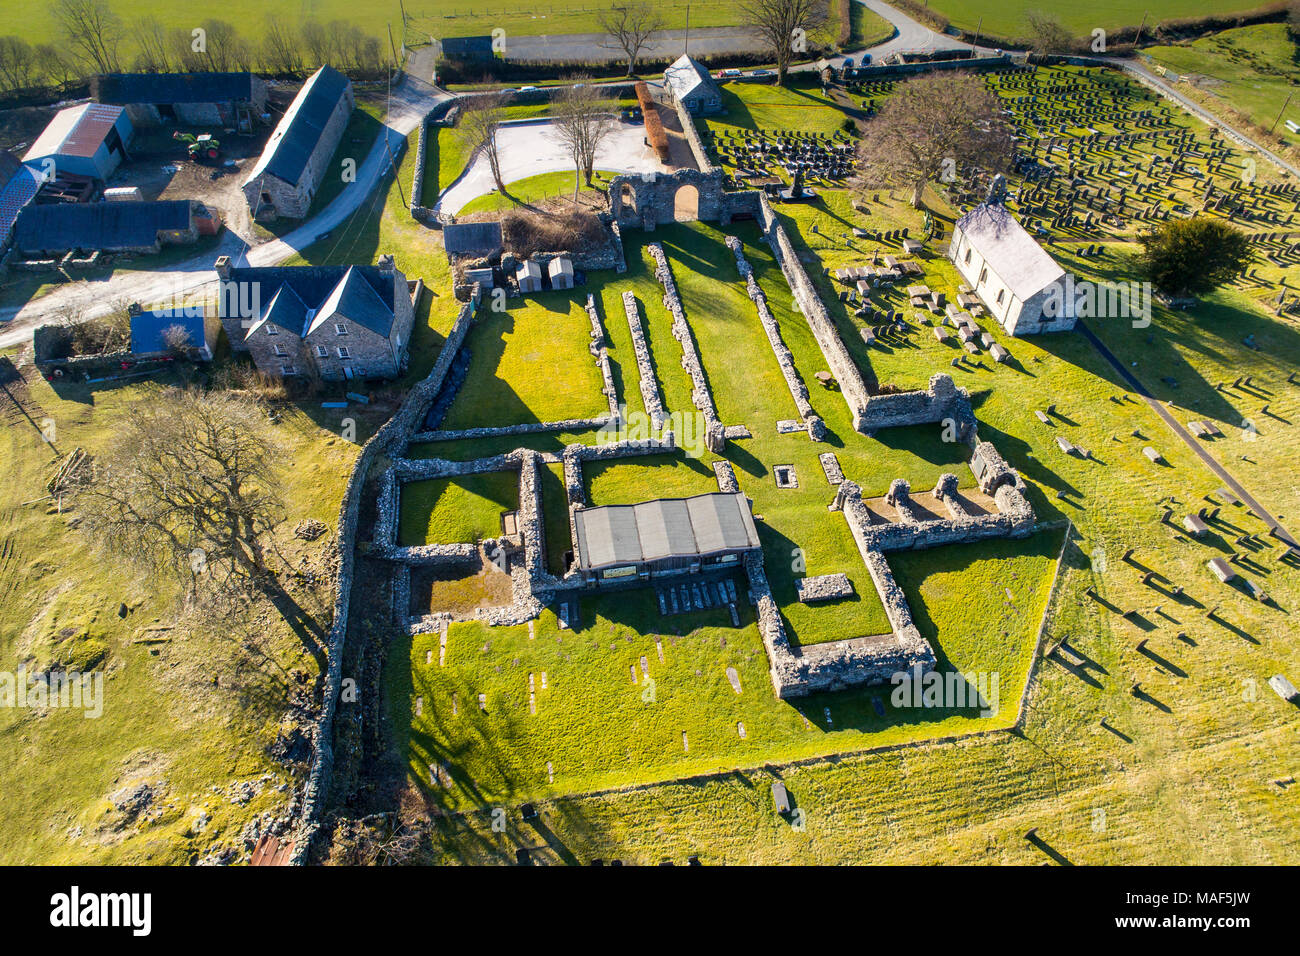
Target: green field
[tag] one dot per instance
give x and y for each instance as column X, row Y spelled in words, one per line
column 456, row 510
column 1006, row 18
column 532, row 189
column 1252, row 71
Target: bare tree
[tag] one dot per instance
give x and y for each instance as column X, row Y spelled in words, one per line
column 631, row 27
column 927, row 128
column 783, row 26
column 583, row 119
column 92, row 30
column 54, row 65
column 317, row 41
column 152, row 39
column 477, row 129
column 189, row 490
column 280, row 53
column 18, row 68
column 1047, row 33
column 177, row 340
column 222, row 47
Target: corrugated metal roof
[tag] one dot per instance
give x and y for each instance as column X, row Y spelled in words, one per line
column 166, row 88
column 299, row 130
column 100, row 225
column 75, row 131
column 1019, row 261
column 615, row 535
column 17, row 193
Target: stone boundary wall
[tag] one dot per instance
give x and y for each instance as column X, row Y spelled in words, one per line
column 525, row 428
column 599, row 349
column 1014, row 519
column 692, row 137
column 941, row 399
column 700, row 394
column 798, row 390
column 389, row 439
column 423, row 213
column 650, row 399
column 842, row 366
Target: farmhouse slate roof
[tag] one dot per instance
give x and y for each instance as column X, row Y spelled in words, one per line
column 290, row 294
column 299, row 130
column 1011, row 252
column 124, row 88
column 703, row 525
column 101, row 225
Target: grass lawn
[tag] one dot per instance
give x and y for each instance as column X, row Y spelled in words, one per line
column 751, row 106
column 446, row 160
column 532, row 189
column 184, row 709
column 868, row 27
column 455, row 510
column 1252, row 70
column 529, row 364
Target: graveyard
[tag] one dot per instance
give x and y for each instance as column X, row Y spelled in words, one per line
column 1105, row 607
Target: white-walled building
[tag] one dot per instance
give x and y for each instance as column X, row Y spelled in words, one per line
column 1010, row 272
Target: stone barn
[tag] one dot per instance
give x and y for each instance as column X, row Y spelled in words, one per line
column 296, row 159
column 184, row 99
column 89, row 141
column 136, row 227
column 338, row 322
column 688, row 82
column 665, row 536
column 1011, row 273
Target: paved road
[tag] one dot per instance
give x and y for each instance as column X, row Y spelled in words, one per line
column 530, row 149
column 411, row 100
column 908, row 35
column 1187, row 438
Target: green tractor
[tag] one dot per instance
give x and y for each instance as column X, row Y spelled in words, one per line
column 202, row 147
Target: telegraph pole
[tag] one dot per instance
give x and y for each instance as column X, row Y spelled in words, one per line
column 1280, row 112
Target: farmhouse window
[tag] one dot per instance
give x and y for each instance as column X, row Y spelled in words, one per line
column 345, row 352
column 272, row 330
column 280, row 350
column 322, row 352
column 340, row 328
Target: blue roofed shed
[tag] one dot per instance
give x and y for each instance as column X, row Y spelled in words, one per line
column 151, row 333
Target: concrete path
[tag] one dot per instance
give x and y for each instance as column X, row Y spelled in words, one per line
column 1188, row 439
column 411, row 100
column 532, row 148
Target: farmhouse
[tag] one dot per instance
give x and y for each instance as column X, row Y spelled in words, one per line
column 1010, row 272
column 663, row 536
column 139, row 227
column 338, row 322
column 184, row 99
column 291, row 168
column 688, row 82
column 89, row 140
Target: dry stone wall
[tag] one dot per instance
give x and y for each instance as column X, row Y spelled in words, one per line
column 654, row 406
column 700, row 394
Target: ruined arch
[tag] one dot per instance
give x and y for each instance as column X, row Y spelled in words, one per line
column 686, row 203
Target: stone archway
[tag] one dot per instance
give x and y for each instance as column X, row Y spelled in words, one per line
column 686, row 203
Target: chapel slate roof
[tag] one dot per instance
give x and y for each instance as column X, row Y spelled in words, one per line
column 1011, row 252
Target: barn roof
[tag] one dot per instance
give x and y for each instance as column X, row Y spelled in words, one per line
column 124, row 88
column 664, row 528
column 100, row 225
column 1019, row 261
column 685, row 75
column 75, row 131
column 299, row 130
column 472, row 239
column 16, row 193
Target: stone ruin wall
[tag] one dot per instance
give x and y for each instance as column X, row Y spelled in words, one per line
column 700, row 394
